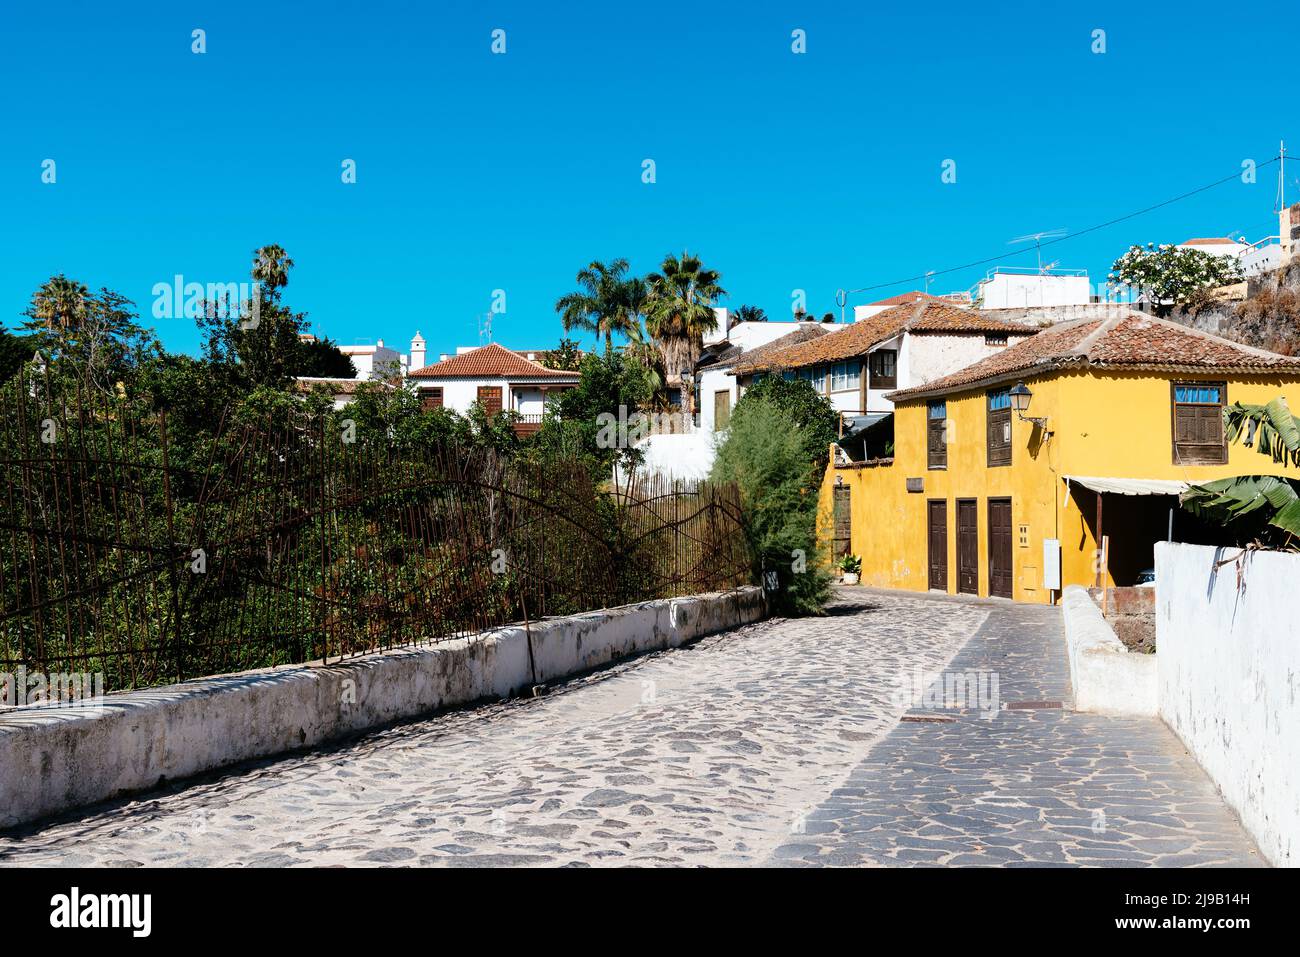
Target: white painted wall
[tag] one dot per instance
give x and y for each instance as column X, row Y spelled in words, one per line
column 712, row 381
column 932, row 355
column 1229, row 680
column 458, row 394
column 373, row 361
column 1007, row 290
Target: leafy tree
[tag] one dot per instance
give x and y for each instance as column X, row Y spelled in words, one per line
column 767, row 454
column 1170, row 276
column 1264, row 505
column 613, row 384
column 321, row 358
column 565, row 357
column 261, row 339
column 607, row 301
column 813, row 416
column 679, row 310
column 93, row 336
column 14, row 351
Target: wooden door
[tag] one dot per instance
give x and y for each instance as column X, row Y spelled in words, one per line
column 722, row 410
column 489, row 396
column 968, row 546
column 1000, row 547
column 938, row 548
column 843, row 541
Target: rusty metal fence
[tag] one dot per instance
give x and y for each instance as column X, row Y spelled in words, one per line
column 126, row 552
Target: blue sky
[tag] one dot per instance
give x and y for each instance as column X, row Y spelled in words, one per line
column 478, row 172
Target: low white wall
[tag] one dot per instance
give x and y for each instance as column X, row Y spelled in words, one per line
column 1107, row 678
column 1230, row 680
column 52, row 759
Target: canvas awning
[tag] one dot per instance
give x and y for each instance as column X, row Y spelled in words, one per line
column 1126, row 486
column 855, row 425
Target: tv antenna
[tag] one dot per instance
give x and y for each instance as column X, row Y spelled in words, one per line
column 485, row 329
column 1037, row 240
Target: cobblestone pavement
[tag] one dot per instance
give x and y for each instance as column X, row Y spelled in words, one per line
column 1032, row 787
column 751, row 747
column 701, row 755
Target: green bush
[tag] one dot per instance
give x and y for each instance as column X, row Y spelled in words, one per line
column 769, row 454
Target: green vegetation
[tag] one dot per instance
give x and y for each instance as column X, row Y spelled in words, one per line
column 1263, row 507
column 1171, row 277
column 776, row 450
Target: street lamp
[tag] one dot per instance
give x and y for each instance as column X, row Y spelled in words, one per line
column 1020, row 399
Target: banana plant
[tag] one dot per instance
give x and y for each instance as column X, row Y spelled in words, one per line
column 1272, row 430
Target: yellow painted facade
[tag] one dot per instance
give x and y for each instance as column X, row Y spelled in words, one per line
column 1103, row 423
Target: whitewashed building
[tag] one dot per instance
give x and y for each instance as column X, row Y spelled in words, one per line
column 495, row 377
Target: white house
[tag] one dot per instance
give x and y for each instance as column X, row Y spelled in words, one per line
column 716, row 389
column 495, row 377
column 376, row 361
column 1015, row 288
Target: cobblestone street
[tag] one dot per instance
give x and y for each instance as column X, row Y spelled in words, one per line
column 784, row 742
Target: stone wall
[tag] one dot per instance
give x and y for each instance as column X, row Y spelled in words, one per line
column 53, row 759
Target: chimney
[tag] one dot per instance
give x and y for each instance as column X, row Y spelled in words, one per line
column 417, row 351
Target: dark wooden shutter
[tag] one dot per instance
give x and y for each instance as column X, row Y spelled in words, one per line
column 936, row 443
column 1199, row 437
column 999, row 437
column 1000, row 583
column 937, row 511
column 489, row 396
column 843, row 522
column 430, row 399
column 968, row 547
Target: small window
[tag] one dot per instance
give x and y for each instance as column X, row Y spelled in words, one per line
column 430, row 399
column 815, row 375
column 1198, row 423
column 883, row 366
column 999, row 428
column 936, row 434
column 995, row 339
column 845, row 377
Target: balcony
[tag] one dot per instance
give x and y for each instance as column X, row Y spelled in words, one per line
column 527, row 425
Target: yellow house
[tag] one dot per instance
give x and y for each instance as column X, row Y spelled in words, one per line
column 1116, row 417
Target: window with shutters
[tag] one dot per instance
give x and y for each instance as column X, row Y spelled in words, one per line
column 999, row 427
column 1198, row 423
column 936, row 434
column 883, row 366
column 430, row 399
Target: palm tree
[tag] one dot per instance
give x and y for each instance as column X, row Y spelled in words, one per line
column 60, row 302
column 679, row 310
column 641, row 350
column 271, row 265
column 606, row 302
column 750, row 314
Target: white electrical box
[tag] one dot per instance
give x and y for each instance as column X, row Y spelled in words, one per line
column 1052, row 563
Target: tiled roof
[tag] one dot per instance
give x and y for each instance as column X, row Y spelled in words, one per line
column 905, row 297
column 857, row 339
column 802, row 334
column 1131, row 340
column 486, row 362
column 1210, row 242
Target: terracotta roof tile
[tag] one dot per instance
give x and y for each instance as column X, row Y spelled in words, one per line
column 903, row 298
column 858, row 339
column 1132, row 340
column 486, row 362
